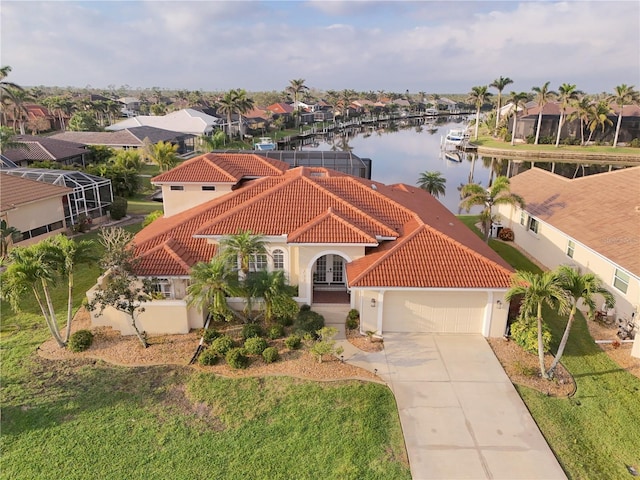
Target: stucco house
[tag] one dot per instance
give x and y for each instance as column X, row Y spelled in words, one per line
column 591, row 222
column 187, row 120
column 391, row 251
column 38, row 149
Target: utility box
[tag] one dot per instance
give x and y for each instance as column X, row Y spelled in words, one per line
column 495, row 229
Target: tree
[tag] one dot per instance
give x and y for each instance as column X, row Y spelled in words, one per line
column 518, row 100
column 82, row 122
column 537, row 289
column 276, row 293
column 209, row 143
column 7, row 141
column 164, row 154
column 624, row 95
column 128, row 159
column 500, row 84
column 211, row 283
column 583, row 107
column 598, row 116
column 478, row 96
column 122, row 289
column 498, row 193
column 227, row 106
column 17, row 98
column 7, row 89
column 542, row 97
column 432, row 182
column 567, row 94
column 325, row 345
column 578, row 287
column 31, row 270
column 295, row 88
column 243, row 104
column 242, row 248
column 8, row 236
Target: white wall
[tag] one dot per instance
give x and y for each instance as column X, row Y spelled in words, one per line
column 176, row 201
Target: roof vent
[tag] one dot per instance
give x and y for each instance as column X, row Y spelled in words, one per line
column 374, row 186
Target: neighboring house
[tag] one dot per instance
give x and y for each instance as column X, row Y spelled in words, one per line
column 393, row 252
column 447, row 104
column 187, row 121
column 130, row 106
column 134, row 137
column 39, row 149
column 591, row 222
column 36, row 209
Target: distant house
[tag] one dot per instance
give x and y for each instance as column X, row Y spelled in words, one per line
column 391, row 251
column 130, row 106
column 131, row 138
column 40, row 149
column 188, row 121
column 591, row 222
column 36, row 209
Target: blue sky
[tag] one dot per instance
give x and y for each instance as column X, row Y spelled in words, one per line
column 430, row 46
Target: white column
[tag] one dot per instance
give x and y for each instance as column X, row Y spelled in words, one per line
column 488, row 313
column 380, row 310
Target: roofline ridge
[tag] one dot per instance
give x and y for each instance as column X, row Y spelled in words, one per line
column 213, row 164
column 173, row 253
column 328, row 213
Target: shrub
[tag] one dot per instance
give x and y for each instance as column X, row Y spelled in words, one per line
column 506, row 234
column 251, row 330
column 221, row 345
column 353, row 319
column 80, row 341
column 270, row 354
column 236, row 358
column 210, row 335
column 293, row 342
column 275, row 331
column 208, row 357
column 255, row 345
column 151, row 217
column 326, row 345
column 305, row 308
column 525, row 333
column 284, row 321
column 118, row 208
column 635, row 143
column 308, row 321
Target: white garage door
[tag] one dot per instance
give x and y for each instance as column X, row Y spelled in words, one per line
column 434, row 312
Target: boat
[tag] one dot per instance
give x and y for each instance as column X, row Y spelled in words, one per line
column 265, row 143
column 456, row 136
column 454, row 156
column 431, row 112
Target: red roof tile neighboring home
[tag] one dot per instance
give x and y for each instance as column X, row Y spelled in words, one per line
column 16, row 191
column 597, row 210
column 44, row 148
column 321, row 206
column 280, row 108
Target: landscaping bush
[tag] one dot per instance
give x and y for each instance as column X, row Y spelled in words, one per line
column 210, row 335
column 208, row 357
column 635, row 143
column 293, row 342
column 236, row 358
column 251, row 330
column 255, row 345
column 270, row 354
column 151, row 217
column 275, row 331
column 308, row 321
column 525, row 333
column 118, row 208
column 506, row 234
column 80, row 341
column 353, row 319
column 221, row 345
column 305, row 308
column 284, row 321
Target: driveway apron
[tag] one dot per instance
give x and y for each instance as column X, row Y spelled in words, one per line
column 461, row 416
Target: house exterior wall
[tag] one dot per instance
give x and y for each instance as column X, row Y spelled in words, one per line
column 45, row 216
column 191, row 195
column 549, row 247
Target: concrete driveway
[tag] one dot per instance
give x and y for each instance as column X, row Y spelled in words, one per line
column 461, row 416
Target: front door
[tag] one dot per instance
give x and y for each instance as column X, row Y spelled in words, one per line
column 329, row 270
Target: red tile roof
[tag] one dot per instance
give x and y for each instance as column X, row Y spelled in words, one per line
column 222, row 167
column 420, row 243
column 282, row 108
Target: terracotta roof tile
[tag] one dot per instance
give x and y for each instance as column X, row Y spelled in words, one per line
column 329, row 227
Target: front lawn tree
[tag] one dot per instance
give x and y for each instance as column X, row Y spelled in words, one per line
column 538, row 289
column 242, row 249
column 122, row 288
column 499, row 193
column 275, row 292
column 211, row 283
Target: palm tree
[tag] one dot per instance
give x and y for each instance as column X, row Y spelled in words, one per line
column 227, row 106
column 624, row 95
column 7, row 89
column 474, row 194
column 30, row 270
column 7, row 140
column 537, row 289
column 209, row 143
column 17, row 99
column 567, row 93
column 478, row 96
column 583, row 107
column 211, row 283
column 543, row 96
column 8, row 236
column 242, row 247
column 164, row 154
column 276, row 293
column 243, row 104
column 518, row 100
column 578, row 287
column 296, row 87
column 598, row 116
column 432, row 182
column 499, row 84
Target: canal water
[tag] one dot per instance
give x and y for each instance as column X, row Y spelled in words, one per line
column 401, row 151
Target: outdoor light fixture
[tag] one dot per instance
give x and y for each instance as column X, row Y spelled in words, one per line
column 373, row 302
column 499, row 303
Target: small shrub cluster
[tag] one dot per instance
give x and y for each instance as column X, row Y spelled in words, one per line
column 635, row 143
column 152, row 217
column 525, row 333
column 221, row 345
column 251, row 330
column 506, row 234
column 255, row 345
column 270, row 355
column 83, row 224
column 118, row 208
column 284, row 321
column 275, row 331
column 308, row 321
column 353, row 319
column 210, row 335
column 236, row 358
column 293, row 342
column 208, row 357
column 80, row 341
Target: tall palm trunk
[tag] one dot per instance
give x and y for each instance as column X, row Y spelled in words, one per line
column 615, row 139
column 538, row 127
column 513, row 133
column 563, row 342
column 69, row 307
column 53, row 327
column 543, row 371
column 477, row 122
column 560, row 122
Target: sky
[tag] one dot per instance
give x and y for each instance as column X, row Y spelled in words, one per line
column 394, row 46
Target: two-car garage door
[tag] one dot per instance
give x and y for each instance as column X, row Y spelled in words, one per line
column 434, row 312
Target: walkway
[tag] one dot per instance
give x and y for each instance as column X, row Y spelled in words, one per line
column 461, row 416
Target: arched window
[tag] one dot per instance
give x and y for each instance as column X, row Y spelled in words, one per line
column 278, row 259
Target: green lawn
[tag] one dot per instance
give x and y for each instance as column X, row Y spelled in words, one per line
column 490, row 142
column 595, row 433
column 81, row 419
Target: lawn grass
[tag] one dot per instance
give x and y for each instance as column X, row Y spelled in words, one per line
column 80, row 419
column 490, row 142
column 594, row 434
